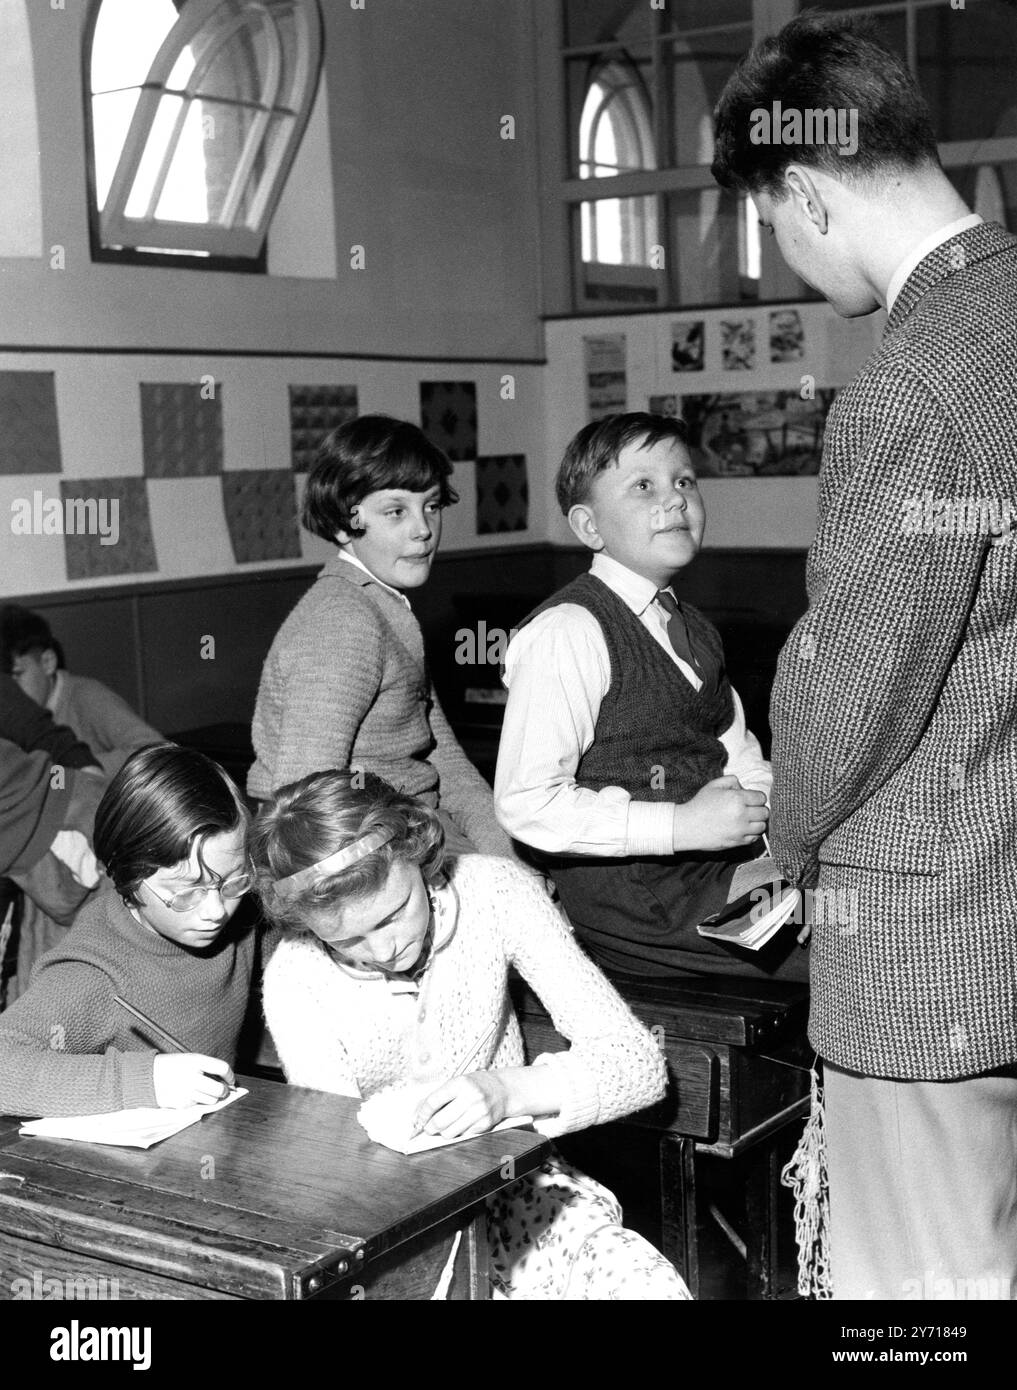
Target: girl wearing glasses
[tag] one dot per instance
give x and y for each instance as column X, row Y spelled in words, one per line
column 170, row 831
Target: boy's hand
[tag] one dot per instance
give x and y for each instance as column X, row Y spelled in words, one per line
column 470, row 1104
column 721, row 815
column 181, row 1078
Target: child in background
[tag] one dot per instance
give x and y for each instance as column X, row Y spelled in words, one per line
column 392, row 970
column 171, row 832
column 345, row 682
column 98, row 716
column 624, row 757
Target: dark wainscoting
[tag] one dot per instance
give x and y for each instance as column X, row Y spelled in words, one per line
column 147, row 640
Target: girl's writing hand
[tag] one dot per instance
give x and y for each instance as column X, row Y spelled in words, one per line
column 180, row 1078
column 470, row 1104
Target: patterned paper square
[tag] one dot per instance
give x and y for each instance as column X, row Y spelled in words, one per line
column 29, row 431
column 738, row 345
column 261, row 514
column 117, row 535
column 314, row 411
column 448, row 416
column 181, row 428
column 503, row 494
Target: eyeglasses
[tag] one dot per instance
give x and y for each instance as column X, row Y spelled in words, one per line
column 233, row 887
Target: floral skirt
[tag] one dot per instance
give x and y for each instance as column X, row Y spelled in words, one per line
column 558, row 1235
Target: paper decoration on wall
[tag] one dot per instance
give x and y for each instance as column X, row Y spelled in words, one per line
column 108, row 529
column 787, row 336
column 606, row 386
column 29, row 432
column 687, row 339
column 503, row 494
column 181, row 428
column 738, row 344
column 261, row 514
column 314, row 412
column 448, row 416
column 664, row 405
column 756, row 433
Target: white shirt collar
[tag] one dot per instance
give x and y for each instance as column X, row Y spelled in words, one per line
column 633, row 589
column 915, row 257
column 352, row 559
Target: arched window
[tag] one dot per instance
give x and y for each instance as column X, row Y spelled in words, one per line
column 196, row 111
column 616, row 137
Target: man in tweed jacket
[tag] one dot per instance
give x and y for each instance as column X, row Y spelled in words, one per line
column 895, row 705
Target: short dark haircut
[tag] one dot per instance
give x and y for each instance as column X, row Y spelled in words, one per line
column 323, row 813
column 598, row 445
column 370, row 454
column 159, row 804
column 23, row 633
column 821, row 62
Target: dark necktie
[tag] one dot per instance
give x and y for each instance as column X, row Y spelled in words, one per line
column 677, row 630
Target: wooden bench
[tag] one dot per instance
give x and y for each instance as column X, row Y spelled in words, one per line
column 738, row 1060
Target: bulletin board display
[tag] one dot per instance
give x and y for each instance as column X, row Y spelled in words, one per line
column 120, row 468
column 754, row 385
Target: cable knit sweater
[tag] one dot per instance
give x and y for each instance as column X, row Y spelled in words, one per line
column 67, row 1049
column 345, row 684
column 356, row 1034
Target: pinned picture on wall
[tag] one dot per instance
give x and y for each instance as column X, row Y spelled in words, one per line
column 688, row 337
column 181, row 428
column 664, row 405
column 448, row 416
column 314, row 412
column 787, row 336
column 29, row 430
column 756, row 434
column 606, row 385
column 503, row 494
column 107, row 527
column 738, row 345
column 261, row 514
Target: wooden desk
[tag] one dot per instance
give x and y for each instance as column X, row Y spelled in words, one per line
column 279, row 1196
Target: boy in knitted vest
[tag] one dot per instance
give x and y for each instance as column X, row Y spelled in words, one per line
column 624, row 761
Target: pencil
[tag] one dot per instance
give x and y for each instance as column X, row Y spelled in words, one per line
column 152, row 1026
column 470, row 1057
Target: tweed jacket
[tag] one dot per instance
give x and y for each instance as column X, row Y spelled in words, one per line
column 894, row 709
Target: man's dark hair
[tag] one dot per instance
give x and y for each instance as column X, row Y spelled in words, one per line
column 24, row 633
column 821, row 62
column 370, row 454
column 598, row 445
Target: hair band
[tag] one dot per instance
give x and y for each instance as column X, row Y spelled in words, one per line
column 293, row 884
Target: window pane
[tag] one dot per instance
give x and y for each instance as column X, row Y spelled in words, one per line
column 152, row 159
column 111, row 120
column 710, row 253
column 278, row 132
column 184, row 195
column 128, row 35
column 967, row 66
column 614, row 118
column 242, row 67
column 990, row 190
column 602, row 21
column 701, row 65
column 619, row 231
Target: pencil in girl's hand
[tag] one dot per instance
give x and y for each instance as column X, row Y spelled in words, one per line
column 167, row 1038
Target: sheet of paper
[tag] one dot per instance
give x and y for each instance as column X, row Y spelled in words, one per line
column 422, row 1142
column 138, row 1128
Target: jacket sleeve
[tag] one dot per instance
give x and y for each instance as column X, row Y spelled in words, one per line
column 32, row 728
column 861, row 672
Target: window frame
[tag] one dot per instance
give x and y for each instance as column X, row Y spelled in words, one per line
column 565, row 267
column 194, row 245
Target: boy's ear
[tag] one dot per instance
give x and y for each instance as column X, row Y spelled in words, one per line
column 48, row 662
column 584, row 526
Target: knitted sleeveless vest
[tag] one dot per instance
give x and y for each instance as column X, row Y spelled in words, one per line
column 656, row 736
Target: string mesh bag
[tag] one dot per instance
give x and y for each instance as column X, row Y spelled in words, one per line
column 805, row 1174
